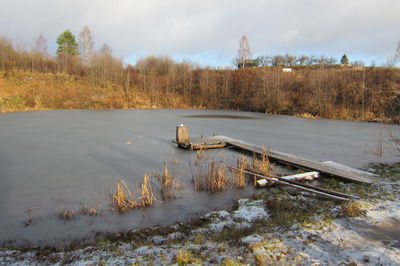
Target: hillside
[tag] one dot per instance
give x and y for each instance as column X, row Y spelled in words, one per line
column 370, row 94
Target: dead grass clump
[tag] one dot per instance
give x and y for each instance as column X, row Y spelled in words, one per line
column 200, row 155
column 307, row 115
column 167, row 184
column 123, row 198
column 261, row 165
column 353, row 209
column 184, row 257
column 85, row 210
column 214, row 180
column 66, row 214
column 147, row 198
column 239, row 177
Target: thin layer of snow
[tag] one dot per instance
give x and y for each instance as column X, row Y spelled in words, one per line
column 252, row 238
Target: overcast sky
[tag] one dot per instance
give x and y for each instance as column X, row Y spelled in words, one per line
column 208, row 31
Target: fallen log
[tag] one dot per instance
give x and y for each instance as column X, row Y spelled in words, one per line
column 302, row 176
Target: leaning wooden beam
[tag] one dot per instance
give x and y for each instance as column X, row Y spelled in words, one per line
column 281, row 182
column 324, row 190
column 291, row 179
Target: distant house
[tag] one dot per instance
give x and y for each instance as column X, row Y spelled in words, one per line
column 248, row 63
column 286, row 69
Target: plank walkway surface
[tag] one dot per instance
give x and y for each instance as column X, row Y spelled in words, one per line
column 337, row 170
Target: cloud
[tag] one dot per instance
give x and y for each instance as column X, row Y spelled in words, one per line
column 178, row 28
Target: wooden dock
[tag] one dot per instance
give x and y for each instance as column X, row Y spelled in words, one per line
column 328, row 168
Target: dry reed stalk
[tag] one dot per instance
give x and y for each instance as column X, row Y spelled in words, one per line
column 261, row 165
column 200, row 155
column 65, row 214
column 123, row 198
column 85, row 210
column 214, row 180
column 379, row 148
column 147, row 198
column 217, row 177
column 239, row 177
column 167, row 184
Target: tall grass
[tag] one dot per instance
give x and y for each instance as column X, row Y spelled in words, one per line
column 124, row 200
column 147, row 198
column 213, row 180
column 261, row 166
column 239, row 177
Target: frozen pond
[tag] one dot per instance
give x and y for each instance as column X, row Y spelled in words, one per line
column 50, row 160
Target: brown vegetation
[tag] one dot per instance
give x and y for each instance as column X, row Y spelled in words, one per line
column 261, row 165
column 214, row 180
column 34, row 80
column 124, row 200
column 212, row 176
column 239, row 177
column 167, row 184
column 66, row 214
column 147, row 196
column 85, row 210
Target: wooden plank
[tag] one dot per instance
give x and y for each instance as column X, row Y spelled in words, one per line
column 330, row 169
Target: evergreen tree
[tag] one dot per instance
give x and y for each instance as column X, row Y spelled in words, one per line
column 67, row 44
column 344, row 60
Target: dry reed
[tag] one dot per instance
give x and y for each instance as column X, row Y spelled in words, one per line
column 214, row 180
column 66, row 214
column 167, row 184
column 262, row 165
column 123, row 198
column 239, row 177
column 85, row 210
column 147, row 198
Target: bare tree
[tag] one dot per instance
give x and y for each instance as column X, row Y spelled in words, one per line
column 244, row 51
column 40, row 45
column 86, row 44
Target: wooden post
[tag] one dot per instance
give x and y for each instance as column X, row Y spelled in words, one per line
column 182, row 134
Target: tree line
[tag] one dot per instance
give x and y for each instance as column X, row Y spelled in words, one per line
column 319, row 89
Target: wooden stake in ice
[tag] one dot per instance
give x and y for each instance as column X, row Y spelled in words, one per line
column 182, row 134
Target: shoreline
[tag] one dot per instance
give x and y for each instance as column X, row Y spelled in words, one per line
column 388, row 121
column 254, row 229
